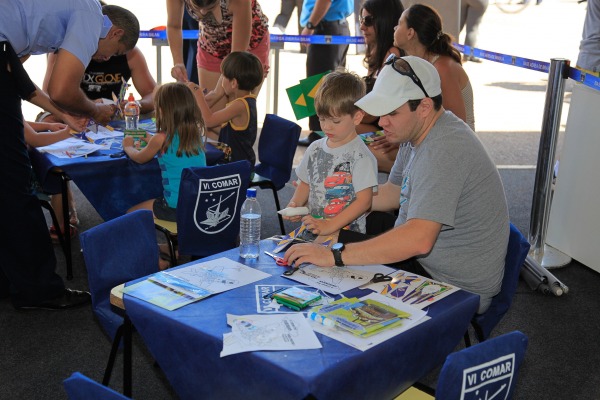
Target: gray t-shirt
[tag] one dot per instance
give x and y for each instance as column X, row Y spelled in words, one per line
column 449, row 178
column 335, row 175
column 589, row 48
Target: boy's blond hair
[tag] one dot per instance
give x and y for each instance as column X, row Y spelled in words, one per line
column 338, row 93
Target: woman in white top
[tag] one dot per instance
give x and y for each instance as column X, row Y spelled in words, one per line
column 419, row 33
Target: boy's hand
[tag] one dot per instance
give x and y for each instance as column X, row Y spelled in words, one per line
column 318, row 226
column 194, row 87
column 127, row 142
column 295, row 218
column 56, row 126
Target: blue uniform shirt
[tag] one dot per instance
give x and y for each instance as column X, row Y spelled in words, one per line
column 339, row 9
column 44, row 26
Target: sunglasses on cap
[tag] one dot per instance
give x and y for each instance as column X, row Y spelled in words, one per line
column 402, row 67
column 367, row 20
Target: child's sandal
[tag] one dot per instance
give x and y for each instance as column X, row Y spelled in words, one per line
column 54, row 233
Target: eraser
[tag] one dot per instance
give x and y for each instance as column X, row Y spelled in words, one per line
column 293, row 211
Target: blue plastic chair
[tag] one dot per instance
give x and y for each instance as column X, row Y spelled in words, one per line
column 276, row 150
column 489, row 368
column 208, row 210
column 115, row 252
column 484, row 371
column 80, row 387
column 483, row 324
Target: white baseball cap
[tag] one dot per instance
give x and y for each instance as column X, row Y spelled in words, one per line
column 392, row 89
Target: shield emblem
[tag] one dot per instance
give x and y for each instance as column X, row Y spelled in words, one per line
column 216, row 204
column 491, row 380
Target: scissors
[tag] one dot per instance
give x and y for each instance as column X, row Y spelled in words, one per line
column 278, row 260
column 378, row 277
column 291, row 272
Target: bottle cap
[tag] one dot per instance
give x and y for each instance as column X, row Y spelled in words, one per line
column 251, row 193
column 131, row 98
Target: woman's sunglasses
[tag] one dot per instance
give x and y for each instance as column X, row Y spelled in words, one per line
column 402, row 66
column 367, row 20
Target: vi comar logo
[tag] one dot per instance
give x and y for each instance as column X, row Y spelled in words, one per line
column 217, row 203
column 489, row 381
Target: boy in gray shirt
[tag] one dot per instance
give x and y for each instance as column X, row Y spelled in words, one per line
column 338, row 173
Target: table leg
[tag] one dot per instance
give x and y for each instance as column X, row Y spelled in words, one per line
column 64, row 182
column 127, row 356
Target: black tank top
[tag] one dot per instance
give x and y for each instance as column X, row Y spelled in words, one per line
column 101, row 79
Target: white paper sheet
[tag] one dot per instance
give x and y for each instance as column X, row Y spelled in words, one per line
column 218, row 275
column 268, row 332
column 70, row 148
column 336, row 280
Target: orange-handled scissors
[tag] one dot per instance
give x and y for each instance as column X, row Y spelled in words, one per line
column 278, row 260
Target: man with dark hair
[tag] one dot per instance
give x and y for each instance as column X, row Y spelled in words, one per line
column 78, row 32
column 453, row 217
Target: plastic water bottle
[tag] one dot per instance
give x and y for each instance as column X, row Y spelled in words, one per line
column 132, row 113
column 250, row 226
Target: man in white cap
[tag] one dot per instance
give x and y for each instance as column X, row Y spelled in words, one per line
column 453, row 217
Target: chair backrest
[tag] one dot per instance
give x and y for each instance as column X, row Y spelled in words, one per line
column 115, row 252
column 487, row 370
column 208, row 210
column 518, row 247
column 276, row 149
column 80, row 387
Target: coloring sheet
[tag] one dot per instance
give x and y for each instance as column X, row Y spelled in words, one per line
column 268, row 332
column 415, row 317
column 334, row 280
column 179, row 287
column 414, row 289
column 70, row 148
column 218, row 275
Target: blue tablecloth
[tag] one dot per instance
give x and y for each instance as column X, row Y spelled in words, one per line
column 186, row 344
column 111, row 185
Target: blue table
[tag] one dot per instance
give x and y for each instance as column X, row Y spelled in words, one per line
column 186, row 344
column 111, row 185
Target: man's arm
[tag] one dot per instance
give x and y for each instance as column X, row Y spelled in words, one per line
column 387, row 197
column 318, row 13
column 41, row 99
column 241, row 28
column 64, row 89
column 414, row 238
column 142, row 79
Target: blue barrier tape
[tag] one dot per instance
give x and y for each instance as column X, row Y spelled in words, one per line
column 318, row 39
column 585, row 78
column 535, row 65
column 310, row 39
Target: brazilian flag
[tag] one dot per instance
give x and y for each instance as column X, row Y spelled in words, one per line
column 302, row 96
column 298, row 101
